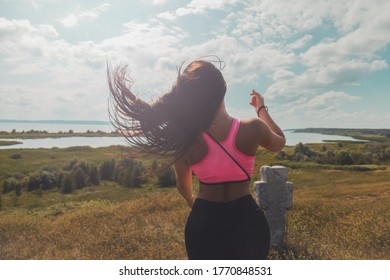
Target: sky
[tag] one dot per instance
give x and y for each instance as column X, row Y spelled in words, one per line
column 317, row 63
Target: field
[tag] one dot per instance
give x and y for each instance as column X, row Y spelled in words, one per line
column 337, row 213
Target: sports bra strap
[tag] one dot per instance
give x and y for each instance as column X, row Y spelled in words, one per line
column 235, row 161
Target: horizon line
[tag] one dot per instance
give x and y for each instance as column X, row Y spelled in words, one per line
column 100, row 122
column 57, row 121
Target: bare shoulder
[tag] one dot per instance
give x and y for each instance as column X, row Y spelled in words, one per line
column 246, row 140
column 253, row 125
column 260, row 133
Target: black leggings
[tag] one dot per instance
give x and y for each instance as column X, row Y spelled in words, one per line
column 235, row 230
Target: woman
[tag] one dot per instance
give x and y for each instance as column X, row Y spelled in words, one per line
column 190, row 125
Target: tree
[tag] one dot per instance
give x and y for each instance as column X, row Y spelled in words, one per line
column 167, row 178
column 107, row 169
column 344, row 158
column 94, row 175
column 34, row 181
column 281, row 155
column 80, row 178
column 303, row 153
column 11, row 184
column 129, row 172
column 48, row 179
column 67, row 184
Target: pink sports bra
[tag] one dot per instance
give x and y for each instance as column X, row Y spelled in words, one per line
column 224, row 163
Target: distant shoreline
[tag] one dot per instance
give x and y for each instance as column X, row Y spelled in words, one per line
column 13, row 130
column 368, row 134
column 57, row 122
column 44, row 134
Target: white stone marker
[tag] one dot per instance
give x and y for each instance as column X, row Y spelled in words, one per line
column 274, row 195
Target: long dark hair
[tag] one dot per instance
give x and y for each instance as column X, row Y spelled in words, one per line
column 169, row 126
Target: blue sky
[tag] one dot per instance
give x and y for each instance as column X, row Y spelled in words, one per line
column 318, row 63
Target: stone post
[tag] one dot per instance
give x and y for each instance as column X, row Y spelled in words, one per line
column 274, row 195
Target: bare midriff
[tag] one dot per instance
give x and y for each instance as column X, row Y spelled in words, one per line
column 223, row 192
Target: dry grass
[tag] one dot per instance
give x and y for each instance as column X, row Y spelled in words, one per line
column 345, row 219
column 337, row 214
column 143, row 228
column 340, row 222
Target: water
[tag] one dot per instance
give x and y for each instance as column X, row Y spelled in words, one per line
column 293, row 138
column 95, row 142
column 55, row 126
column 65, row 142
column 64, row 126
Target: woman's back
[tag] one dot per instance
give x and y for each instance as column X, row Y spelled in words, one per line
column 245, row 148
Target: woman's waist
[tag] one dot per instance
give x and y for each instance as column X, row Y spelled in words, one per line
column 242, row 204
column 224, row 192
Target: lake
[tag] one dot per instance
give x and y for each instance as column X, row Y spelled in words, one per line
column 55, row 126
column 293, row 138
column 65, row 142
column 95, row 142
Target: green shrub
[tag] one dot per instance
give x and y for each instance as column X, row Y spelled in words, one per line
column 16, row 156
column 34, row 181
column 107, row 169
column 344, row 158
column 167, row 178
column 129, row 172
column 45, row 178
column 79, row 177
column 371, row 153
column 94, row 178
column 12, row 184
column 67, row 183
column 83, row 173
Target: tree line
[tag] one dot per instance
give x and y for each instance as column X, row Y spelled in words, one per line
column 77, row 174
column 371, row 153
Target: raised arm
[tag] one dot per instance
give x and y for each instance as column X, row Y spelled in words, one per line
column 269, row 134
column 184, row 180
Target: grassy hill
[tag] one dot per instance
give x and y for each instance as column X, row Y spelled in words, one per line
column 337, row 213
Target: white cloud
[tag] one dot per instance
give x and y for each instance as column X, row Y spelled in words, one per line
column 157, row 2
column 294, row 88
column 74, row 19
column 12, row 28
column 328, row 101
column 338, row 62
column 69, row 21
column 281, row 74
column 317, row 109
column 370, row 35
column 34, row 54
column 167, row 16
column 271, row 42
column 21, row 41
column 201, row 6
column 347, row 72
column 37, row 4
column 198, row 7
column 302, row 42
column 152, row 51
column 285, row 18
column 74, row 74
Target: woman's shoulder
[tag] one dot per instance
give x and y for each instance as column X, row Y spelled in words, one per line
column 251, row 122
column 252, row 127
column 246, row 140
